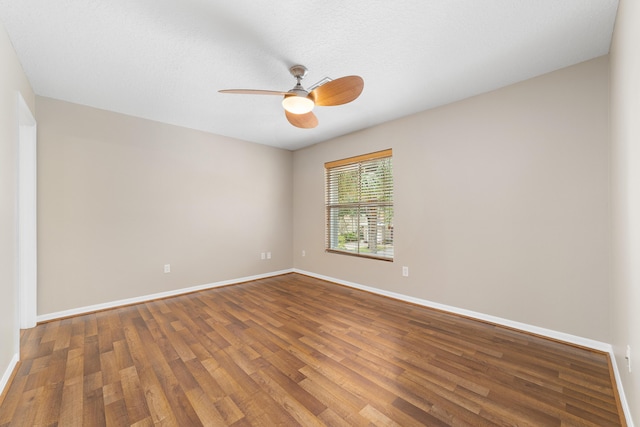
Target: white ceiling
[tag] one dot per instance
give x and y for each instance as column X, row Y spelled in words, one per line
column 165, row 60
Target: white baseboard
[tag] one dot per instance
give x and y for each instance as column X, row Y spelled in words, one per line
column 7, row 373
column 560, row 336
column 548, row 333
column 145, row 298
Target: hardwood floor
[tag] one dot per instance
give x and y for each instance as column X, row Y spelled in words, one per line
column 293, row 350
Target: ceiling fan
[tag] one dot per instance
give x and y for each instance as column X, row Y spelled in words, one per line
column 298, row 102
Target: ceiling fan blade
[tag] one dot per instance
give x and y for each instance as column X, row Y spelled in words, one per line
column 253, row 92
column 305, row 121
column 339, row 91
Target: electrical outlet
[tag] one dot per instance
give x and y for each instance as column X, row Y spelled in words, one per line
column 304, row 253
column 268, row 255
column 405, row 271
column 628, row 357
column 167, row 268
column 263, row 255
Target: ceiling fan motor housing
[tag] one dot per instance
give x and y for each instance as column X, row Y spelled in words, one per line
column 298, row 71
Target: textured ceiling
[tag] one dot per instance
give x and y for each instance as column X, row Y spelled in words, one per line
column 165, row 60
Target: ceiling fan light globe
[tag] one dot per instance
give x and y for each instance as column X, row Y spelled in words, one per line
column 297, row 104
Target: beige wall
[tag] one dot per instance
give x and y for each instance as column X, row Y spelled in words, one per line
column 12, row 82
column 502, row 203
column 625, row 133
column 119, row 197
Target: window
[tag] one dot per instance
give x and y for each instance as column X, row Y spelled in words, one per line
column 359, row 205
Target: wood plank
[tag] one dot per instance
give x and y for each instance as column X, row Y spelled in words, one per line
column 134, row 399
column 72, row 402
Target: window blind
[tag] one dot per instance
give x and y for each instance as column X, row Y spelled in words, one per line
column 359, row 205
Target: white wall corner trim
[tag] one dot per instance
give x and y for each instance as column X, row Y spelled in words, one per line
column 145, row 298
column 548, row 333
column 27, row 217
column 8, row 372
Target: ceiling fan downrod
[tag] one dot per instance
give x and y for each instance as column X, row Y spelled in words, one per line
column 299, row 72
